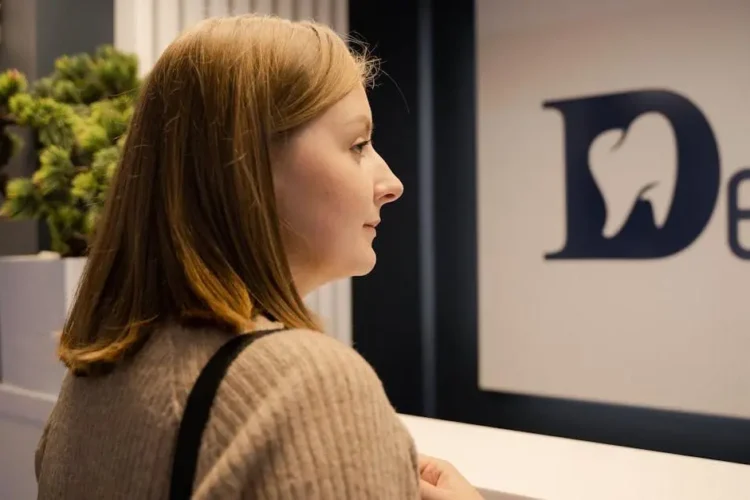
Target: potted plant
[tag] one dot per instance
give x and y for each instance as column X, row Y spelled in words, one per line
column 11, row 83
column 78, row 116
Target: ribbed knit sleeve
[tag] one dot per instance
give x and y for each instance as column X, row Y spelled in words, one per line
column 302, row 416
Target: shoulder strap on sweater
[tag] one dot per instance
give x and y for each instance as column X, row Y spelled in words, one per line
column 197, row 411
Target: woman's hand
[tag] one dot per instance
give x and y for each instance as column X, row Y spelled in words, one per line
column 439, row 480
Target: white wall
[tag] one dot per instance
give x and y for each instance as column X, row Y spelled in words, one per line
column 146, row 27
column 669, row 333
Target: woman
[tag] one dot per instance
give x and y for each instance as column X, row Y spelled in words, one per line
column 248, row 180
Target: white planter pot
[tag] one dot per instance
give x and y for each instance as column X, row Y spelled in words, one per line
column 36, row 293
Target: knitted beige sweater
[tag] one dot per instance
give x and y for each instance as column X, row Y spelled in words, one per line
column 298, row 416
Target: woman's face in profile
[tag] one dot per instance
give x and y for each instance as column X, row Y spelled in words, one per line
column 330, row 187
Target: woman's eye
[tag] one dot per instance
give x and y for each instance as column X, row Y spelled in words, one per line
column 360, row 146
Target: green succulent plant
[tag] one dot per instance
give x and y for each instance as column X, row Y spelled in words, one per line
column 79, row 116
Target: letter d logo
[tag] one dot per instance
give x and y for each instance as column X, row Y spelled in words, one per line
column 695, row 189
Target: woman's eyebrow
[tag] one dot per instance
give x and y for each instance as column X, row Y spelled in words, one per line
column 365, row 119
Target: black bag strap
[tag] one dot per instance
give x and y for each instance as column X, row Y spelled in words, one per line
column 198, row 409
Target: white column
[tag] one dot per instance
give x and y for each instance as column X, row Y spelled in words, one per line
column 241, row 7
column 341, row 16
column 167, row 24
column 128, row 15
column 218, row 8
column 305, row 10
column 285, row 8
column 263, row 6
column 324, row 12
column 193, row 11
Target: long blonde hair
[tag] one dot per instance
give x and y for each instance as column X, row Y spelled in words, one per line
column 190, row 230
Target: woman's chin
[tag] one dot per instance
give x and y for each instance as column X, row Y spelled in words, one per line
column 366, row 263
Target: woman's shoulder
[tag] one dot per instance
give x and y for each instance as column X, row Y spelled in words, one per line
column 288, row 345
column 310, row 384
column 301, row 376
column 298, row 403
column 311, row 359
column 283, row 367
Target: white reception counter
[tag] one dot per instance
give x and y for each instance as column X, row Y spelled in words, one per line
column 510, row 465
